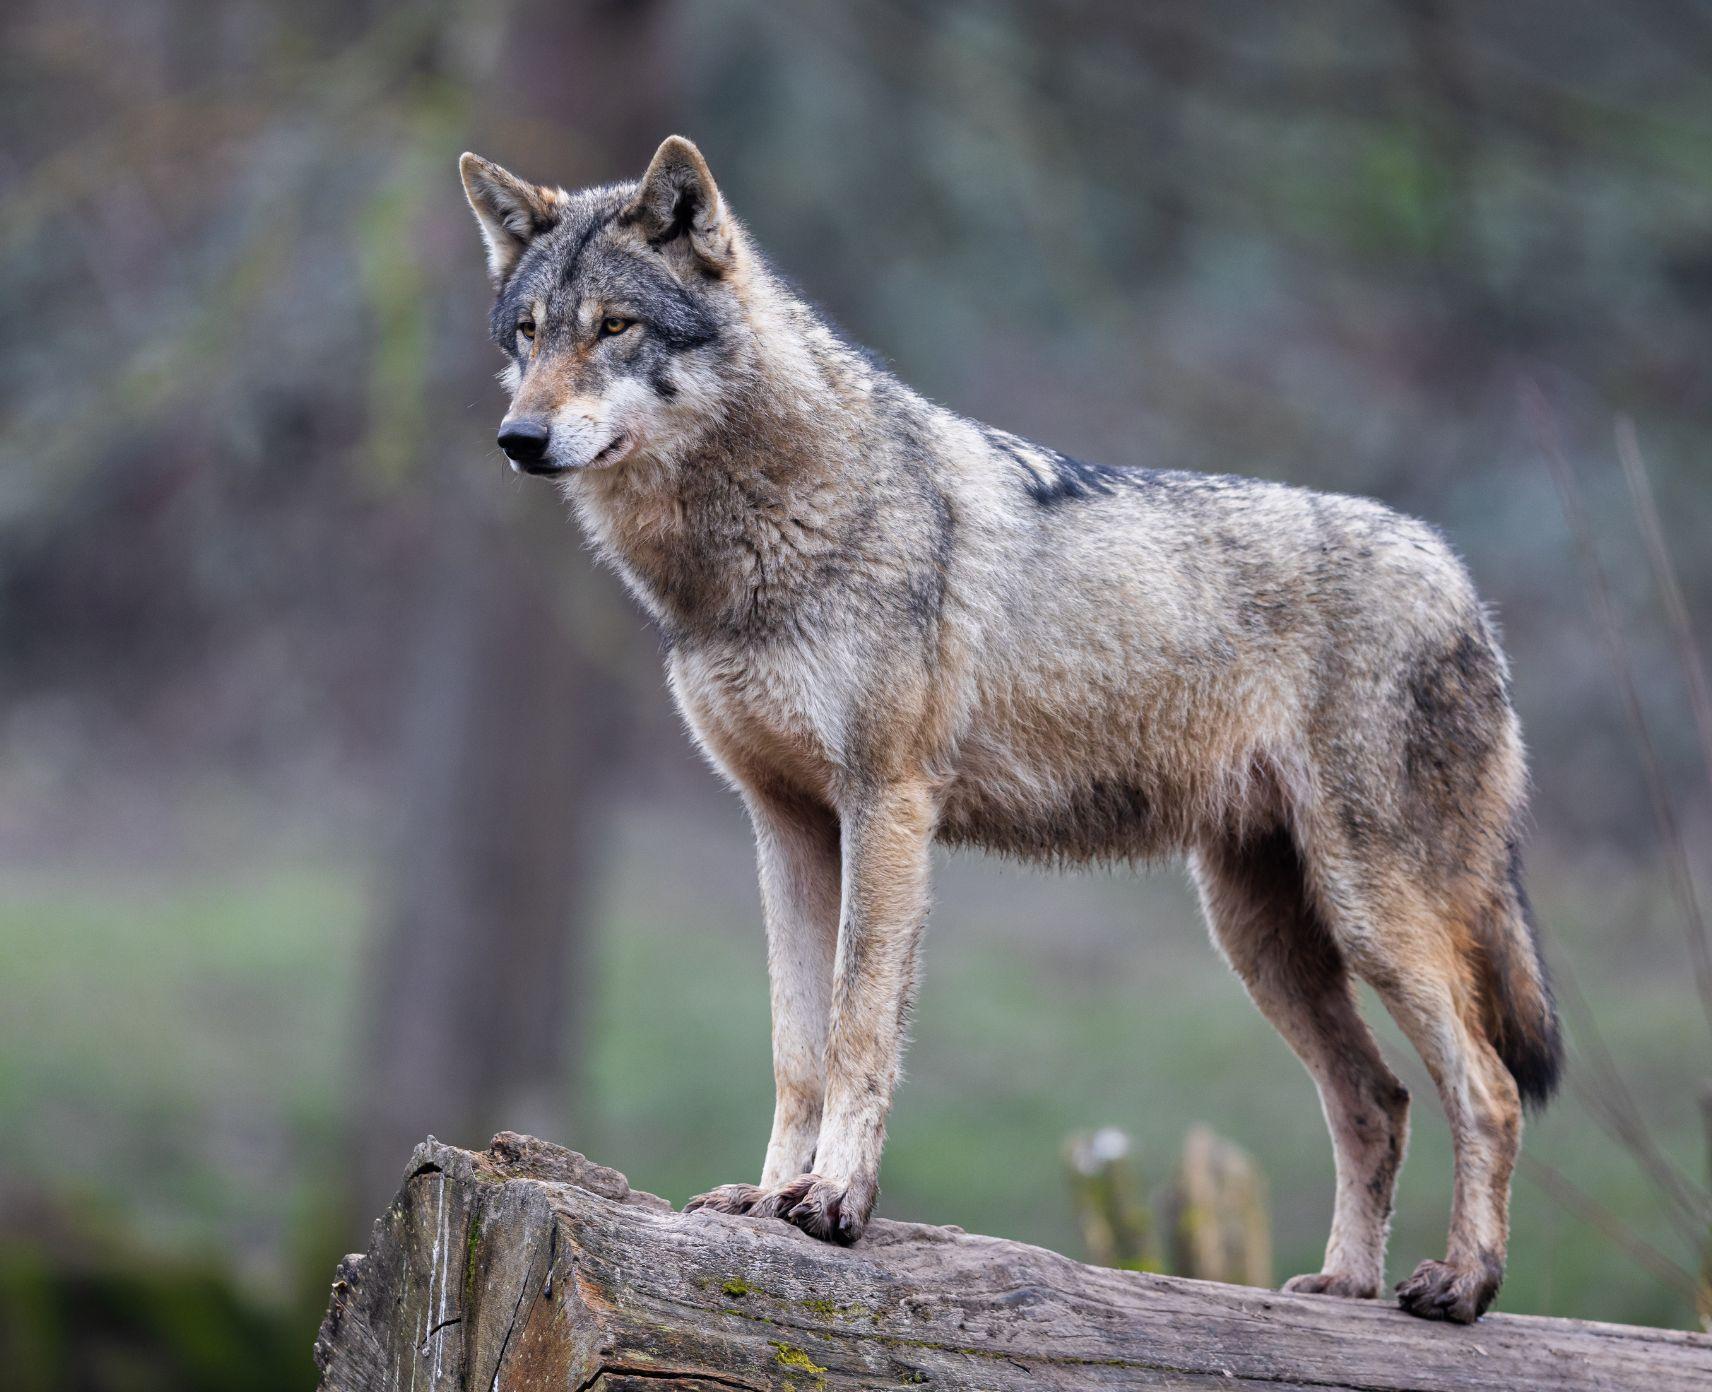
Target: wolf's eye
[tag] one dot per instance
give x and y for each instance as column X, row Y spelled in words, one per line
column 526, row 327
column 614, row 324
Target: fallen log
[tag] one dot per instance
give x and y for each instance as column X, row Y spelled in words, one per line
column 528, row 1266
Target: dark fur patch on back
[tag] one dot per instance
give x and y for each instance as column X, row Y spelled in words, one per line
column 1064, row 479
column 1051, row 478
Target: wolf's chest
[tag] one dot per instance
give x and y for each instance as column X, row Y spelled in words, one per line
column 766, row 718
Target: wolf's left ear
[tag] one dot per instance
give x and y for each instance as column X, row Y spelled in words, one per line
column 678, row 207
column 511, row 211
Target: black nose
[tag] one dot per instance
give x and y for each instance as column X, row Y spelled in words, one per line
column 525, row 441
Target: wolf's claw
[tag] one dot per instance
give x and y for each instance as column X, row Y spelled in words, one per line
column 822, row 1208
column 1331, row 1283
column 1441, row 1291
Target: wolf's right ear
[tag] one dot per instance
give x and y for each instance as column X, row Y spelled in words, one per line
column 510, row 211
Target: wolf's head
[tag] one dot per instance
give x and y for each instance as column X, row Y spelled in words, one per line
column 615, row 307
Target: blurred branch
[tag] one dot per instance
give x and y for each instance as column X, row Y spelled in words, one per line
column 158, row 372
column 1670, row 588
column 1617, row 652
column 1217, row 1218
column 1611, row 1104
column 1596, row 1215
column 345, row 95
column 192, row 125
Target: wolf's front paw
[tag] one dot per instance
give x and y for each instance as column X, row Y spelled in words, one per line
column 753, row 1200
column 727, row 1198
column 831, row 1211
column 1442, row 1291
column 820, row 1207
column 1332, row 1283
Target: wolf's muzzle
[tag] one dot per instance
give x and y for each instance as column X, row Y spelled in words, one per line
column 525, row 444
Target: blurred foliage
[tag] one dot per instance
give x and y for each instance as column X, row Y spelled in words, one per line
column 1106, row 1193
column 245, row 451
column 127, row 1321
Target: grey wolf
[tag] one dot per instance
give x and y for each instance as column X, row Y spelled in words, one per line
column 886, row 625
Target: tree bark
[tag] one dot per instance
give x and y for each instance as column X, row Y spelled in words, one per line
column 527, row 1266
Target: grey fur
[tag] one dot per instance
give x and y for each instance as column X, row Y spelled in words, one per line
column 888, row 624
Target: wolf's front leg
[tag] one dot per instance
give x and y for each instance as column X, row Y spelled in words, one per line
column 886, row 839
column 799, row 856
column 796, row 844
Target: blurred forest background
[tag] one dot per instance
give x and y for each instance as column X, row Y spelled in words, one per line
column 343, row 801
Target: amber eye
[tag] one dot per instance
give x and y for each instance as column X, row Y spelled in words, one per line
column 526, row 327
column 613, row 324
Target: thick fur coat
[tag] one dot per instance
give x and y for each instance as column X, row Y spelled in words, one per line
column 888, row 625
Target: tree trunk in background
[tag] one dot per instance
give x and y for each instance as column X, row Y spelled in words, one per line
column 471, row 1003
column 503, row 751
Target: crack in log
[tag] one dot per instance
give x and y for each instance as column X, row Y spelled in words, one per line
column 1033, row 1360
column 627, row 1370
column 511, row 1328
column 445, row 1323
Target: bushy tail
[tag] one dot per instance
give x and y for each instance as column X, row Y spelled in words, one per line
column 1521, row 1016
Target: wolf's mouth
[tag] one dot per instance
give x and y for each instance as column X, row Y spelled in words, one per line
column 608, row 454
column 611, row 452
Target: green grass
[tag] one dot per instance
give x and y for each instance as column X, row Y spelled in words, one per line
column 170, row 1051
column 176, row 1058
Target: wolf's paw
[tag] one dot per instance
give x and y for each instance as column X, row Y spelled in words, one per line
column 821, row 1208
column 1440, row 1291
column 777, row 1200
column 830, row 1211
column 727, row 1198
column 1332, row 1283
column 753, row 1200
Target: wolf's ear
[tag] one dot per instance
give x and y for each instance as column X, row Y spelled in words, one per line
column 678, row 207
column 510, row 211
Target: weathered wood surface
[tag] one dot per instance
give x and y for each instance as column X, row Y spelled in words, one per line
column 527, row 1266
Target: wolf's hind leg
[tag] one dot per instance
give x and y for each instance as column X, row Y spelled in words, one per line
column 1257, row 906
column 1423, row 970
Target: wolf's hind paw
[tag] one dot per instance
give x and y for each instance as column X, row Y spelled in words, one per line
column 1332, row 1283
column 1440, row 1291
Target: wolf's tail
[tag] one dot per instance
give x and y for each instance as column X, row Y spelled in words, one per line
column 1521, row 1016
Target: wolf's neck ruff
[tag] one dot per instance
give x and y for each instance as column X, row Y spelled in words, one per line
column 735, row 531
